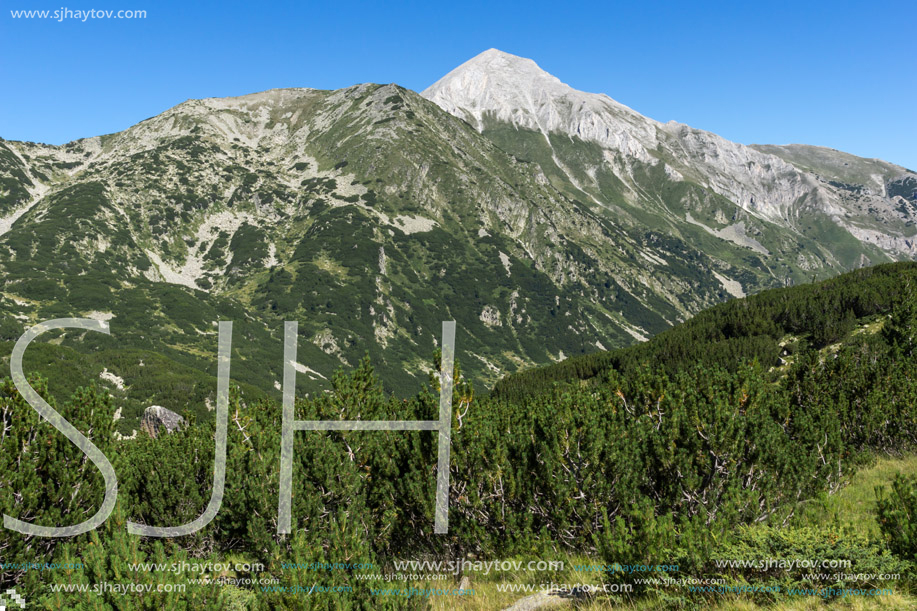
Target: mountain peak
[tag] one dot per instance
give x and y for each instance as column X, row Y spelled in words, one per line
column 505, row 87
column 505, row 65
column 494, row 80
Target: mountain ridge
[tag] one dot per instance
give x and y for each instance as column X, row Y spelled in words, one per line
column 370, row 214
column 763, row 184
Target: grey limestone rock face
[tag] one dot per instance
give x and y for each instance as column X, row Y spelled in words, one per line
column 156, row 418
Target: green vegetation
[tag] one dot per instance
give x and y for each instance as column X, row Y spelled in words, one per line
column 731, row 436
column 898, row 516
column 683, row 461
column 767, row 327
column 540, row 247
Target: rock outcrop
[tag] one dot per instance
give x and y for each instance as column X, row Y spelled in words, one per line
column 157, row 418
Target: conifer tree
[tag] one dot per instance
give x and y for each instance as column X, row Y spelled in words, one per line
column 900, row 330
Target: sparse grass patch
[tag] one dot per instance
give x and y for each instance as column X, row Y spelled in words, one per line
column 855, row 504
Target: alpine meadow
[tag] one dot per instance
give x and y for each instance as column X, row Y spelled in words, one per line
column 683, row 375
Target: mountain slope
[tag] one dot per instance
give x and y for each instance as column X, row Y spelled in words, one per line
column 546, row 222
column 774, row 328
column 627, row 164
column 367, row 214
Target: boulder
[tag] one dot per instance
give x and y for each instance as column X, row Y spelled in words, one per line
column 156, row 418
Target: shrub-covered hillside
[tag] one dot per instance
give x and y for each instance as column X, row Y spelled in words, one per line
column 767, row 327
column 693, row 449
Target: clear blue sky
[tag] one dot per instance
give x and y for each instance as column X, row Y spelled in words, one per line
column 838, row 74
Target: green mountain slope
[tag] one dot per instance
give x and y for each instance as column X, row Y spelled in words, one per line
column 704, row 466
column 773, row 328
column 371, row 214
column 765, row 210
column 367, row 214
